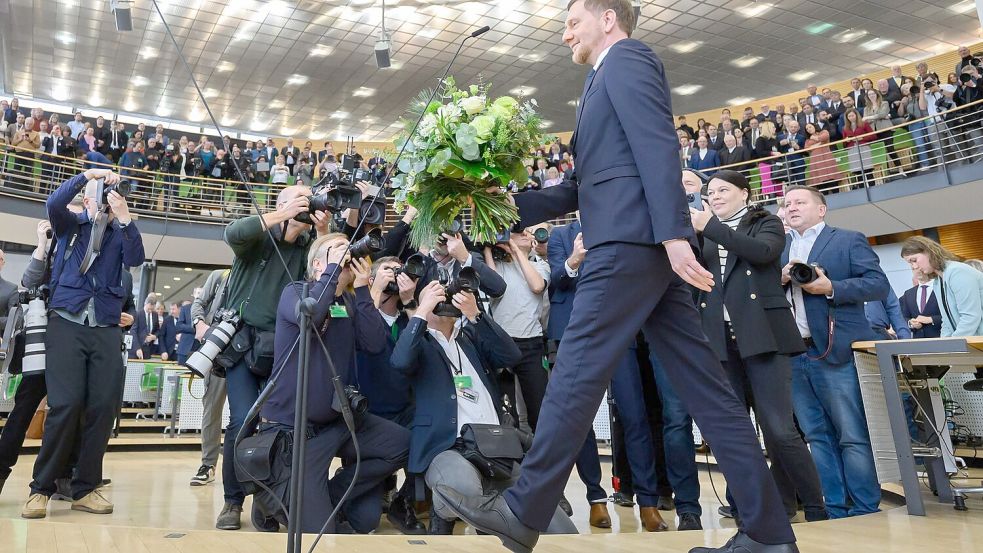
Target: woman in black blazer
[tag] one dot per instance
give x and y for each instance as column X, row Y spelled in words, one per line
column 752, row 329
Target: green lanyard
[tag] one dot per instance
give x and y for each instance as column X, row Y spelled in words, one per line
column 394, row 332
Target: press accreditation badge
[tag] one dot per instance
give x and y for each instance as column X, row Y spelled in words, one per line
column 469, row 395
column 462, row 382
column 338, row 311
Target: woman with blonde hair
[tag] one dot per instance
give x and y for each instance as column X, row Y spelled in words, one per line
column 959, row 286
column 877, row 112
column 765, row 147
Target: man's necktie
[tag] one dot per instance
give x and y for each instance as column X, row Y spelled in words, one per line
column 923, row 299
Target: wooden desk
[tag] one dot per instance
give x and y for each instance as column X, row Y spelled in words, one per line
column 925, row 360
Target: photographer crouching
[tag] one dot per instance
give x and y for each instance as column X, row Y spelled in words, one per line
column 84, row 369
column 346, row 322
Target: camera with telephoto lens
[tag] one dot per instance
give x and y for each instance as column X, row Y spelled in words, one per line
column 965, row 78
column 466, row 281
column 541, row 235
column 413, row 268
column 332, row 195
column 370, row 244
column 801, row 273
column 217, row 338
column 25, row 344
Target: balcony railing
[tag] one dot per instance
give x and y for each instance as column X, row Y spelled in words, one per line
column 926, row 144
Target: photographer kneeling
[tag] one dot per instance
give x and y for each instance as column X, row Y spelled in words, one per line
column 84, row 368
column 451, row 372
column 347, row 322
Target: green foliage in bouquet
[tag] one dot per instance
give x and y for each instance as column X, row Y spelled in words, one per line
column 465, row 144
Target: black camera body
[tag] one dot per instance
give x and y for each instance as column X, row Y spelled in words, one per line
column 466, row 281
column 371, row 244
column 25, row 297
column 413, row 268
column 102, row 192
column 457, row 227
column 802, row 273
column 358, row 402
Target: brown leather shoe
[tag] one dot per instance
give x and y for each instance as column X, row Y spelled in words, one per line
column 652, row 520
column 599, row 517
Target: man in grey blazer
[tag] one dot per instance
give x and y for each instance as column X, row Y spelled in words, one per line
column 7, row 292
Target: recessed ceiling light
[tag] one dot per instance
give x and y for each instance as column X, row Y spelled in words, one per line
column 876, row 44
column 686, row 46
column 288, row 131
column 167, row 287
column 687, row 89
column 96, row 101
column 210, row 92
column 59, row 91
column 317, row 135
column 755, row 9
column 500, row 49
column 739, row 100
column 276, row 104
column 339, row 115
column 225, row 67
column 801, row 75
column 242, row 35
column 257, row 125
column 229, row 120
column 963, row 7
column 297, row 79
column 522, row 90
column 65, row 37
column 818, row 28
column 139, row 81
column 321, row 51
column 187, row 269
column 429, row 32
column 574, row 103
column 545, row 123
column 177, row 279
column 163, row 111
column 746, row 61
column 397, row 125
column 363, row 92
column 148, row 53
column 196, row 114
column 531, row 57
column 131, row 105
column 849, row 35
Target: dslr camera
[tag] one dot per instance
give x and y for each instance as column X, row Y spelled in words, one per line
column 802, row 273
column 457, row 227
column 466, row 281
column 413, row 268
column 541, row 235
column 103, row 190
column 217, row 338
column 24, row 343
column 371, row 244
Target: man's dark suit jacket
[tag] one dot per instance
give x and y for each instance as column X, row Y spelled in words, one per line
column 739, row 155
column 419, row 358
column 562, row 286
column 909, row 309
column 751, row 287
column 186, row 328
column 167, row 341
column 627, row 158
column 711, row 160
column 140, row 330
column 717, row 142
column 855, row 270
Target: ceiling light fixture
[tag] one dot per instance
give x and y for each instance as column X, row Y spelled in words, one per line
column 187, row 269
column 65, row 37
column 818, row 28
column 686, row 46
column 522, row 90
column 849, row 35
column 876, row 44
column 297, row 79
column 801, row 75
column 225, row 67
column 574, row 103
column 139, row 80
column 755, row 9
column 746, row 61
column 340, row 115
column 531, row 57
column 163, row 110
column 167, row 287
column 210, row 92
column 739, row 100
column 363, row 92
column 429, row 32
column 320, row 51
column 148, row 53
column 687, row 89
column 177, row 279
column 965, row 6
column 500, row 49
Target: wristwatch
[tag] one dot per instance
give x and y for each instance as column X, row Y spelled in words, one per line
column 412, row 304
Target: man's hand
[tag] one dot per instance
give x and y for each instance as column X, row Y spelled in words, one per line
column 407, row 288
column 579, row 252
column 924, row 320
column 139, row 353
column 362, row 270
column 455, row 247
column 149, row 339
column 337, row 253
column 500, row 190
column 382, row 279
column 786, row 271
column 44, row 226
column 322, row 222
column 914, row 324
column 163, row 356
column 364, row 188
column 108, row 174
column 294, row 207
column 821, row 286
column 685, row 264
column 201, row 327
column 410, row 214
column 466, row 302
column 700, row 218
column 125, row 319
column 118, row 204
column 431, row 295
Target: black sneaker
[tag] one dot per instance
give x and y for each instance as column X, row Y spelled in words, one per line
column 725, row 511
column 206, row 474
column 403, row 517
column 689, row 521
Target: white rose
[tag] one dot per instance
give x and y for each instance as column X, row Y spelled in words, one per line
column 473, row 104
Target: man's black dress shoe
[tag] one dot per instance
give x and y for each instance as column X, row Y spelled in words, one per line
column 622, row 500
column 665, row 503
column 689, row 521
column 741, row 543
column 403, row 517
column 565, row 506
column 491, row 514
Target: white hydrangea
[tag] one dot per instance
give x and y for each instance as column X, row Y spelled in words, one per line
column 428, row 125
column 450, row 113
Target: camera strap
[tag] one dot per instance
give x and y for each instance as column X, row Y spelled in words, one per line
column 830, row 334
column 95, row 241
column 945, row 303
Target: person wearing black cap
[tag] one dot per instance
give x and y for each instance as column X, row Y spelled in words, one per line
column 751, row 328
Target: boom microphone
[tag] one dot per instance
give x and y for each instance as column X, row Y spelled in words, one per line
column 480, row 31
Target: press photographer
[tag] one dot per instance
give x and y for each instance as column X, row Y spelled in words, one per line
column 451, row 371
column 450, row 254
column 257, row 271
column 347, row 322
column 84, row 368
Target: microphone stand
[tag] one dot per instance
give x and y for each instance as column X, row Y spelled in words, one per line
column 305, row 308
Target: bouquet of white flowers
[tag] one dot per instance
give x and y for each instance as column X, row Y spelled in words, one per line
column 466, row 143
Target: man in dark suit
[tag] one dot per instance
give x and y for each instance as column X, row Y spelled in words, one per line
column 920, row 308
column 327, row 151
column 168, row 334
column 835, row 108
column 733, row 152
column 186, row 330
column 637, row 267
column 767, row 114
column 828, row 123
column 146, row 328
column 703, row 157
column 715, row 140
column 117, row 141
column 896, row 80
column 792, row 142
column 808, row 115
column 825, row 386
column 858, row 93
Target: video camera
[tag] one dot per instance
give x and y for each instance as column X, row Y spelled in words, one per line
column 413, row 268
column 466, row 281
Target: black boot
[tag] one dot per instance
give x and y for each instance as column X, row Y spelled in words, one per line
column 439, row 526
column 403, row 517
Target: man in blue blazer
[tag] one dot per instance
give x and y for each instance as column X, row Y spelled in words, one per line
column 186, row 329
column 829, row 312
column 639, row 240
column 704, row 156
